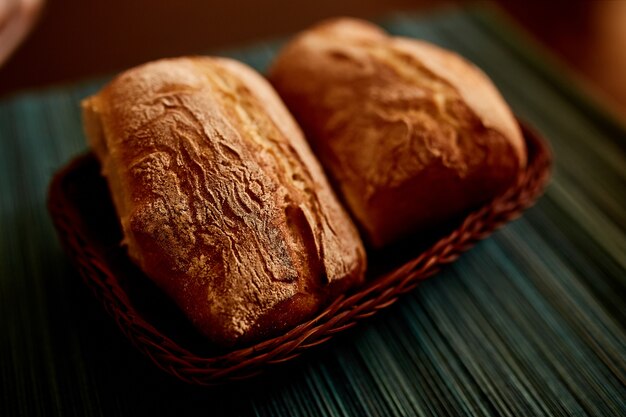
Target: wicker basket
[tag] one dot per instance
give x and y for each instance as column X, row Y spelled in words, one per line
column 84, row 218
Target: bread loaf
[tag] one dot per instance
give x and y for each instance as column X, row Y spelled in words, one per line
column 220, row 199
column 411, row 134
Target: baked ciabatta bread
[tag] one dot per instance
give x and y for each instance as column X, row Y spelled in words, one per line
column 221, row 201
column 411, row 134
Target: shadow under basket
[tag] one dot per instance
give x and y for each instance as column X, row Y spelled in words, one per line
column 85, row 220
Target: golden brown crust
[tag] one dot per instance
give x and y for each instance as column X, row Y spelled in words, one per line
column 410, row 133
column 221, row 202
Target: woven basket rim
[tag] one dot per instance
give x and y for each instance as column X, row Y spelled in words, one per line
column 343, row 313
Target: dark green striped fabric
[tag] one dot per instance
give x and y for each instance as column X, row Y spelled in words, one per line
column 529, row 323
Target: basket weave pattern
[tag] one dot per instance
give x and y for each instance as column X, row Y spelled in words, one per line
column 342, row 314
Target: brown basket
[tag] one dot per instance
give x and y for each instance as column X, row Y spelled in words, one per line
column 84, row 217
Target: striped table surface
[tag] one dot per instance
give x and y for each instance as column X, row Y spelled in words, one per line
column 529, row 322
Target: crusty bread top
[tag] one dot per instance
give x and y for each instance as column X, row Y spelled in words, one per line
column 219, row 196
column 356, row 41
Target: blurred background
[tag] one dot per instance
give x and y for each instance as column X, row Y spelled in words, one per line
column 63, row 40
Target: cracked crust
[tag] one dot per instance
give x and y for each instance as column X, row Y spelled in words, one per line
column 220, row 200
column 410, row 133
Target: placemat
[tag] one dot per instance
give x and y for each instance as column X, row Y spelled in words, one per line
column 530, row 322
